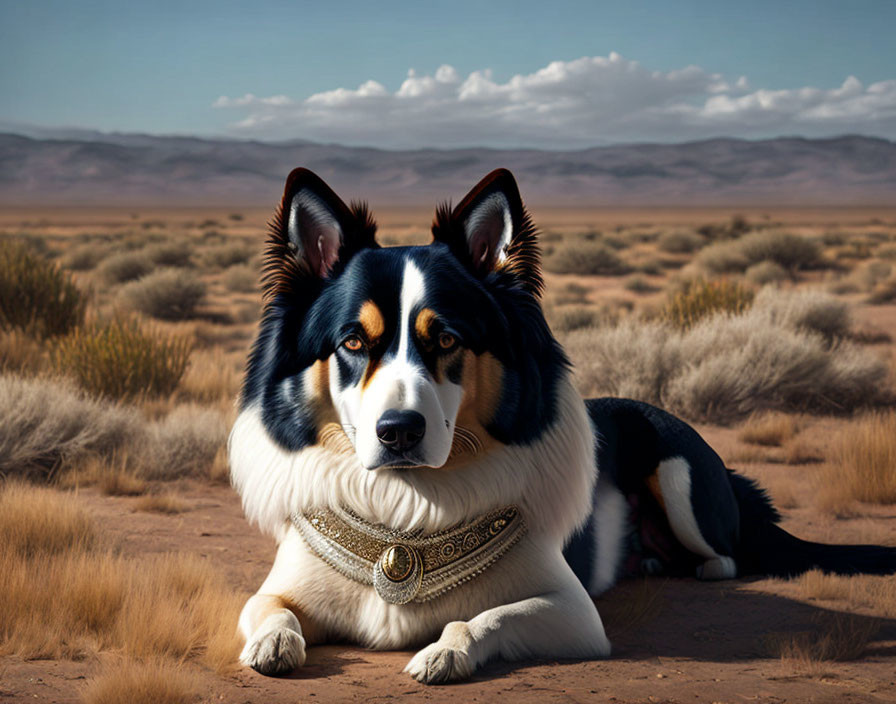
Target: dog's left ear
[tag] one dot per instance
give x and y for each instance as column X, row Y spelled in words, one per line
column 313, row 234
column 490, row 230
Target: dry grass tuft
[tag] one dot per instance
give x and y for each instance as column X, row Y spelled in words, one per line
column 863, row 464
column 768, row 430
column 40, row 521
column 839, row 638
column 801, row 451
column 75, row 599
column 19, row 352
column 120, row 359
column 211, row 377
column 112, row 476
column 160, row 503
column 44, row 423
column 168, row 294
column 155, row 682
column 699, row 299
column 869, row 592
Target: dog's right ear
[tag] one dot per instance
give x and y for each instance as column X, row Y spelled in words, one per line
column 313, row 234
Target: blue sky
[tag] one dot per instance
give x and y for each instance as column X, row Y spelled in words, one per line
column 646, row 70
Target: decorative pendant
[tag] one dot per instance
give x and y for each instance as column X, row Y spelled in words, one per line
column 397, row 574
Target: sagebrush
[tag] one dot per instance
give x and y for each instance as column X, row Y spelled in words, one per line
column 122, row 359
column 36, row 296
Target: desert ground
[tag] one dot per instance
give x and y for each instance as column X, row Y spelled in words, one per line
column 124, row 554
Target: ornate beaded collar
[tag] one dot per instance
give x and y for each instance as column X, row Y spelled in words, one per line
column 405, row 567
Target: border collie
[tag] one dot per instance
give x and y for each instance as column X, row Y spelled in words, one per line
column 409, row 433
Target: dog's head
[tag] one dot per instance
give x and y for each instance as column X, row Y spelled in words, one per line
column 409, row 357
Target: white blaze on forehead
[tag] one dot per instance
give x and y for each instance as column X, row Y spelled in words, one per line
column 413, row 289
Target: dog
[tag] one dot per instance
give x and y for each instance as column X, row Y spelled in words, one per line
column 409, row 432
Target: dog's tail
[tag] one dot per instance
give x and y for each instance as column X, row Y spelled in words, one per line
column 766, row 548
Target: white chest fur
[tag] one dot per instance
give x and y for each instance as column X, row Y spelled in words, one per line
column 550, row 480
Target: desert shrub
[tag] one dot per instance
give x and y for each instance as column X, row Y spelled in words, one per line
column 735, row 227
column 241, row 278
column 723, row 258
column 84, row 257
column 792, row 252
column 574, row 317
column 120, row 359
column 789, row 251
column 887, row 252
column 126, row 266
column 884, row 292
column 766, row 273
column 226, row 255
column 587, row 258
column 45, row 423
column 725, row 367
column 871, row 273
column 174, row 254
column 679, row 242
column 699, row 299
column 19, row 352
column 638, row 284
column 834, row 238
column 35, row 295
column 183, row 444
column 806, row 309
column 863, row 461
column 168, row 294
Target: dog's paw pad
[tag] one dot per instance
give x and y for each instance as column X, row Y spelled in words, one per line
column 436, row 664
column 275, row 652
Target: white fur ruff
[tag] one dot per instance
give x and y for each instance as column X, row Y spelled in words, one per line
column 528, row 604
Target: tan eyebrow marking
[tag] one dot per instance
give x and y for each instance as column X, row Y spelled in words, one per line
column 424, row 323
column 371, row 319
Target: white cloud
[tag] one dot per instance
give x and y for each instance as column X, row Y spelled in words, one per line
column 566, row 104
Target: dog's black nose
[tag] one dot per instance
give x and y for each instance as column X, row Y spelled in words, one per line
column 400, row 430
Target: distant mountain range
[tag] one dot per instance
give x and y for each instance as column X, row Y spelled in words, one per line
column 81, row 167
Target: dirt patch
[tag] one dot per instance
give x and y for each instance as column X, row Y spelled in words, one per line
column 675, row 640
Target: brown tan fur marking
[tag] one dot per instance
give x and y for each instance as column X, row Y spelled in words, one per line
column 371, row 319
column 423, row 325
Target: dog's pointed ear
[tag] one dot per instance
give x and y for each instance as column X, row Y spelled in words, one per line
column 490, row 230
column 313, row 233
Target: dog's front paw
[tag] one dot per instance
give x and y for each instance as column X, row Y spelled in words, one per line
column 274, row 649
column 438, row 663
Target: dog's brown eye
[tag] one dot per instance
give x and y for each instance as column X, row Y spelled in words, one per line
column 447, row 340
column 353, row 344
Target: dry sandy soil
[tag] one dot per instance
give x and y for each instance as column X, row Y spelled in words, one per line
column 675, row 640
